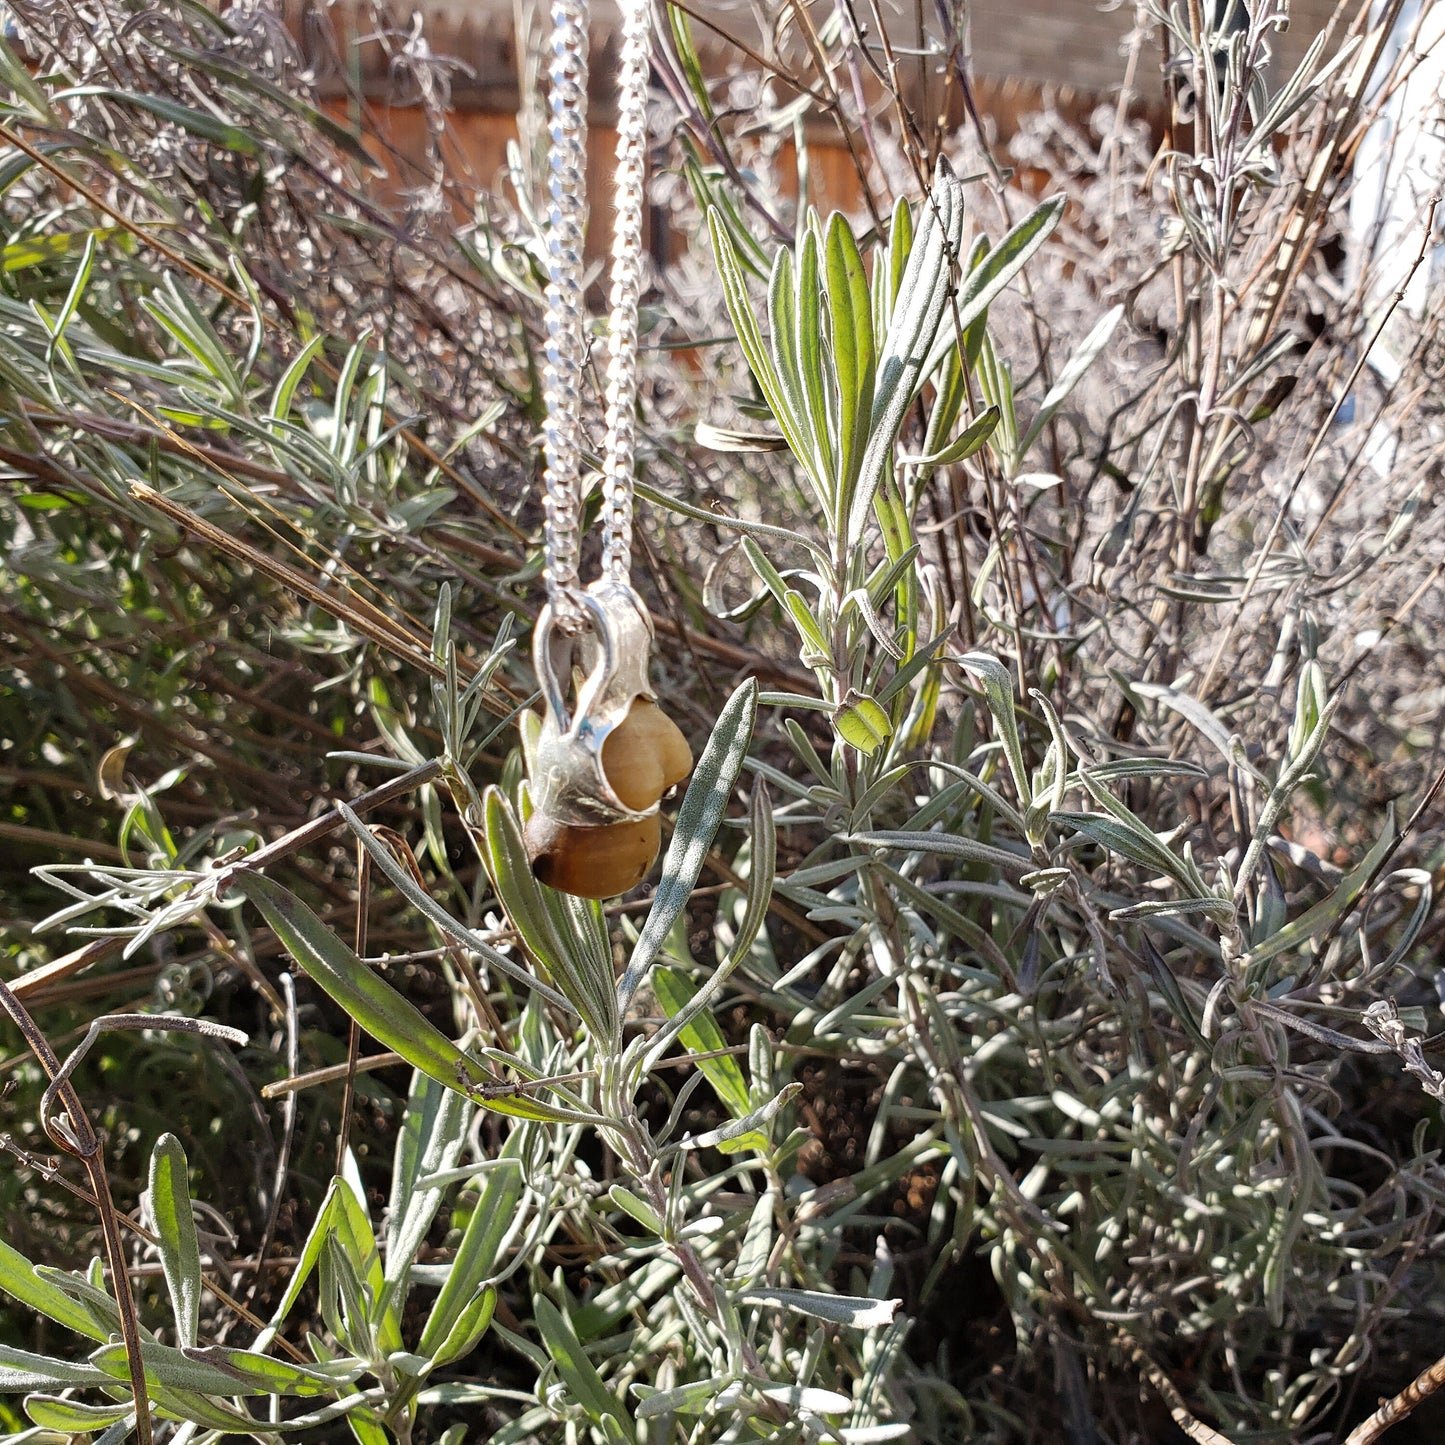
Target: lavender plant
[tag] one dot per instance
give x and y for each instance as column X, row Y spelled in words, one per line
column 1027, row 1036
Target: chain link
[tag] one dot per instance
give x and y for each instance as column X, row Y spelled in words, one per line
column 618, row 451
column 566, row 321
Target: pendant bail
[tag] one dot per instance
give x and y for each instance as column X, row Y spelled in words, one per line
column 612, row 651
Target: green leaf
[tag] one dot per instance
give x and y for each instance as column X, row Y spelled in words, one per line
column 306, row 1262
column 261, row 1374
column 170, row 1202
column 854, row 349
column 691, row 1006
column 698, row 820
column 1132, row 840
column 923, row 296
column 692, row 1399
column 759, row 358
column 374, row 1004
column 815, row 649
column 1077, row 366
column 637, row 1209
column 352, row 1233
column 96, row 1301
column 862, row 722
column 19, row 1279
column 198, row 122
column 754, row 1122
column 964, row 445
column 857, row 1311
column 814, row 384
column 476, row 1256
column 17, row 77
column 471, row 1324
column 564, row 956
column 703, row 1036
column 432, row 1135
column 578, row 1373
column 998, row 691
column 900, row 248
column 50, row 246
column 1003, row 262
column 176, row 1370
column 55, row 1413
column 798, row 425
column 21, row 1370
column 944, row 845
column 1326, row 913
column 291, row 378
column 198, row 1403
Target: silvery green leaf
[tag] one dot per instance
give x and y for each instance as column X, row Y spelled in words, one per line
column 578, row 1372
column 430, row 1140
column 998, row 692
column 858, row 1311
column 552, row 935
column 753, row 1122
column 176, row 1370
column 376, row 1006
column 21, row 1370
column 698, row 819
column 808, row 1397
column 757, row 1242
column 257, row 1373
column 1201, row 718
column 1216, row 908
column 470, row 1325
column 695, row 1398
column 902, row 361
column 24, row 1283
column 1131, row 840
column 759, row 357
column 637, row 1208
column 724, row 439
column 170, row 1207
column 987, row 280
column 1073, row 373
column 54, row 1413
column 1324, row 914
column 398, row 876
column 496, row 1213
column 944, row 845
column 964, row 445
column 854, row 348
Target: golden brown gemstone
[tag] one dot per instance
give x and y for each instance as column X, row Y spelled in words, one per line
column 644, row 755
column 593, row 862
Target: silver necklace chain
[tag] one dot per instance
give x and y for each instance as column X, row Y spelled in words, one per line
column 566, row 319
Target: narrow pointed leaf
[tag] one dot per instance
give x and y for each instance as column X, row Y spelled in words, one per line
column 854, row 354
column 21, row 1370
column 578, row 1372
column 333, row 966
column 20, row 1280
column 858, row 1311
column 922, row 298
column 170, row 1197
column 476, row 1255
column 703, row 807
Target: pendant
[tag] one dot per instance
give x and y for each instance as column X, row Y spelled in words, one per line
column 598, row 769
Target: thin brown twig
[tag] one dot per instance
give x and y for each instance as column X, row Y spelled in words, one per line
column 1395, row 1409
column 76, row 1137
